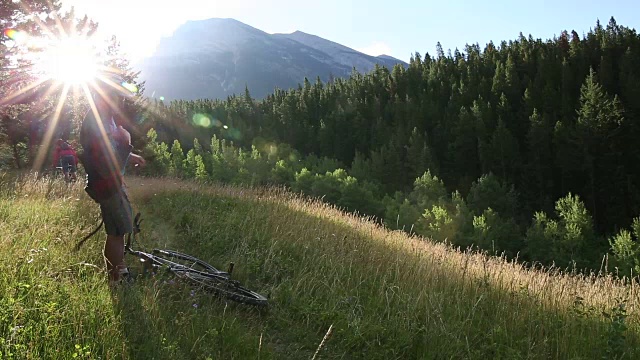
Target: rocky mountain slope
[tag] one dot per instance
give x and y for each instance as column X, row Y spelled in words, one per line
column 215, row 58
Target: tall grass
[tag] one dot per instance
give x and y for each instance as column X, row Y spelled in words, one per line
column 55, row 303
column 389, row 295
column 384, row 295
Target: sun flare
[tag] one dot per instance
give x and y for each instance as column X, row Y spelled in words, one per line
column 70, row 61
column 60, row 70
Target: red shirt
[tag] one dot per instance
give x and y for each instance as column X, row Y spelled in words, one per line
column 59, row 153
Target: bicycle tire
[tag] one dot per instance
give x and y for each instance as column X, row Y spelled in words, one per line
column 231, row 289
column 187, row 261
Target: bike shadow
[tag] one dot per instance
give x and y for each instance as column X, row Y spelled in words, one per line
column 163, row 318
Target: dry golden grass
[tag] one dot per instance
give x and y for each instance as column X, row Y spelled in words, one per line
column 384, row 294
column 553, row 287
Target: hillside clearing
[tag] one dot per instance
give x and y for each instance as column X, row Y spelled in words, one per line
column 387, row 295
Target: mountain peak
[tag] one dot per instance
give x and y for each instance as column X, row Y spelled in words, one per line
column 216, row 57
column 227, row 24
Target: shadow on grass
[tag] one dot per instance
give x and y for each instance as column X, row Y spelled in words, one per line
column 163, row 318
column 384, row 301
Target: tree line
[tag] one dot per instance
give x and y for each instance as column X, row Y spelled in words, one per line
column 527, row 148
column 532, row 143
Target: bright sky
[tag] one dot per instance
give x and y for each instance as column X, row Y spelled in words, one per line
column 373, row 26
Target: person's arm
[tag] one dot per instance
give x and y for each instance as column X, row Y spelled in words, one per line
column 124, row 138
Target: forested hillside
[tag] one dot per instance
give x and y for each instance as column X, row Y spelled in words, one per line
column 526, row 150
column 536, row 139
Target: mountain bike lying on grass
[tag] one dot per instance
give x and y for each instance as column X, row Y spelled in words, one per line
column 192, row 270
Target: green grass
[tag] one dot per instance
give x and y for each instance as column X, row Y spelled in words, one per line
column 386, row 295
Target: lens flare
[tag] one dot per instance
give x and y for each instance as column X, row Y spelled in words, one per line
column 15, row 35
column 131, row 87
column 235, row 134
column 201, row 120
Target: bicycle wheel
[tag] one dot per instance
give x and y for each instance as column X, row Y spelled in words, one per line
column 170, row 257
column 231, row 289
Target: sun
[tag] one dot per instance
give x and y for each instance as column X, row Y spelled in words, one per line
column 71, row 61
column 63, row 67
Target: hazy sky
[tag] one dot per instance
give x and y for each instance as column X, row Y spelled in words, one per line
column 396, row 28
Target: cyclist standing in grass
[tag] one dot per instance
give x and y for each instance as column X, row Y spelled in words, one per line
column 107, row 150
column 65, row 156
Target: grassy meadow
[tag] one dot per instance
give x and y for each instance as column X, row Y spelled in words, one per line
column 383, row 294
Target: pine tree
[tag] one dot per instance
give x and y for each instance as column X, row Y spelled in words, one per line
column 201, row 171
column 361, row 167
column 189, row 165
column 598, row 118
column 539, row 169
column 419, row 156
column 489, row 192
column 502, row 155
column 158, row 153
column 463, row 148
column 176, row 167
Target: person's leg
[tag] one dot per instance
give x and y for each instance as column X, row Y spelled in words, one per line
column 65, row 161
column 114, row 256
column 72, row 168
column 118, row 221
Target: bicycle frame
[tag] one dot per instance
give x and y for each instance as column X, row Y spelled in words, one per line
column 151, row 260
column 210, row 278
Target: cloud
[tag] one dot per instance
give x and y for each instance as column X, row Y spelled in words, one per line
column 376, row 48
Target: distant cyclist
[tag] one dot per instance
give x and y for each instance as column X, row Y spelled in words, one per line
column 65, row 157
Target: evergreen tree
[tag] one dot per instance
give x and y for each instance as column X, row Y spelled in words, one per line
column 599, row 117
column 539, row 170
column 176, row 166
column 361, row 167
column 489, row 192
column 157, row 154
column 201, row 171
column 501, row 155
column 419, row 156
column 190, row 165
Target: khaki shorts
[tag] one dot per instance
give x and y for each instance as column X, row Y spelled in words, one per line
column 117, row 214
